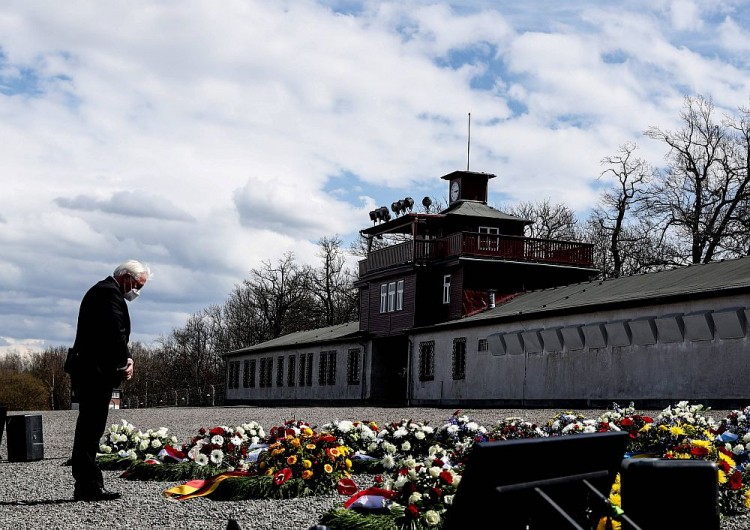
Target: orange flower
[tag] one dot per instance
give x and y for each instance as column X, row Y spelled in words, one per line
column 295, row 442
column 311, row 446
column 328, row 468
column 262, row 465
column 306, row 474
column 269, row 472
column 334, row 452
column 274, row 445
column 291, row 460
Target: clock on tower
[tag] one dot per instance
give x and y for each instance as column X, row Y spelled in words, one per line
column 455, row 188
column 467, row 186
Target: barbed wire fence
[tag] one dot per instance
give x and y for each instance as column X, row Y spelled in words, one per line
column 209, row 396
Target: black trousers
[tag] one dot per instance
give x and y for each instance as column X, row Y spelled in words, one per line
column 93, row 408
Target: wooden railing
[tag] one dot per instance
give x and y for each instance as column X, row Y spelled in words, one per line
column 476, row 244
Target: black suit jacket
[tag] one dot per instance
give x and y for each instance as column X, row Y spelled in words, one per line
column 102, row 335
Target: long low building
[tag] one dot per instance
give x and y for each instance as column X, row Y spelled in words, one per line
column 468, row 312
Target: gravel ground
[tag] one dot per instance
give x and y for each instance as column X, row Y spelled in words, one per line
column 37, row 495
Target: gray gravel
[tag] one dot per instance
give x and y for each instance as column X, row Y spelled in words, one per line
column 38, row 495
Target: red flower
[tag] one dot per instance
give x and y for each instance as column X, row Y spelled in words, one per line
column 633, row 435
column 626, row 422
column 403, row 471
column 328, row 438
column 230, row 446
column 412, row 512
column 446, row 476
column 436, row 493
column 282, row 476
column 724, row 466
column 438, row 463
column 699, row 451
column 735, row 481
column 378, row 479
column 244, row 450
column 456, row 413
column 647, row 419
column 202, row 430
column 216, row 430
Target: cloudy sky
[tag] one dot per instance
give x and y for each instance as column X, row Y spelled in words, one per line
column 203, row 137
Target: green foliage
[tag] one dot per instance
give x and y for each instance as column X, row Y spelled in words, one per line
column 23, row 392
column 113, row 462
column 339, row 519
column 170, row 472
column 263, row 487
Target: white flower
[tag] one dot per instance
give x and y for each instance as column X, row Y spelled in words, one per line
column 410, row 462
column 144, row 445
column 389, row 448
column 432, row 517
column 236, row 440
column 389, row 462
column 428, row 429
column 463, row 419
column 194, row 452
column 435, row 472
column 413, row 474
column 456, row 479
column 448, row 499
column 114, row 437
column 254, row 439
column 400, row 481
column 415, row 497
column 201, row 459
column 174, row 440
column 367, row 433
column 217, row 456
column 400, row 432
column 373, row 447
column 406, row 446
column 737, row 449
column 452, row 429
column 589, row 429
column 105, row 449
column 345, row 426
column 472, row 426
column 419, row 435
column 240, row 430
column 123, row 437
column 746, row 438
column 217, row 440
column 162, row 432
column 156, row 443
column 555, row 425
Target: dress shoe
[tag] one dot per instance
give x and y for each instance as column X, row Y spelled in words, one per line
column 96, row 494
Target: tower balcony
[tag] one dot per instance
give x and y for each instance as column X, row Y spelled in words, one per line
column 482, row 245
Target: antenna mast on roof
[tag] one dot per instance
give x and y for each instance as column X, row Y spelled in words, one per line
column 468, row 148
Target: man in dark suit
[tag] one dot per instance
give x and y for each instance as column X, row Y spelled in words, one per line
column 104, row 362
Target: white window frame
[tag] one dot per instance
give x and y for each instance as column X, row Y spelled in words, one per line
column 391, row 297
column 383, row 297
column 488, row 243
column 400, row 295
column 447, row 289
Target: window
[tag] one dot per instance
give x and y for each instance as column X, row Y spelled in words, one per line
column 230, row 374
column 459, row 358
column 327, row 368
column 383, row 298
column 280, row 371
column 236, row 375
column 447, row 289
column 427, row 360
column 483, row 345
column 266, row 371
column 251, row 373
column 399, row 295
column 488, row 240
column 309, row 369
column 352, row 368
column 391, row 297
column 291, row 371
column 302, row 369
column 246, row 374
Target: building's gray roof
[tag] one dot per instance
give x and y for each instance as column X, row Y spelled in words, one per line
column 479, row 209
column 300, row 338
column 721, row 277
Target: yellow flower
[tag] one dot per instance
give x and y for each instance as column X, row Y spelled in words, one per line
column 662, row 427
column 727, row 459
column 722, row 477
column 289, row 437
column 747, row 499
column 307, row 431
column 328, row 468
column 306, row 464
column 646, row 427
column 310, row 446
column 334, row 452
column 291, row 460
column 295, row 442
column 676, row 431
column 348, row 464
column 700, row 443
column 269, row 472
column 306, row 474
column 262, row 465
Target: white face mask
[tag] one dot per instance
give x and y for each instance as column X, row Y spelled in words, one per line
column 132, row 294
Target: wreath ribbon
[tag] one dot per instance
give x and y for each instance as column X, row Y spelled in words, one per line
column 202, row 488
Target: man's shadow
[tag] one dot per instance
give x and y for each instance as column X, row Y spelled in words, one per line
column 36, row 503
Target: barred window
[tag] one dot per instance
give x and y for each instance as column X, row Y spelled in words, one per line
column 302, row 370
column 291, row 373
column 236, row 375
column 391, row 297
column 246, row 374
column 352, row 367
column 427, row 360
column 322, row 368
column 309, row 369
column 331, row 367
column 384, row 298
column 280, row 371
column 483, row 345
column 459, row 358
column 251, row 376
column 447, row 289
column 266, row 371
column 230, row 374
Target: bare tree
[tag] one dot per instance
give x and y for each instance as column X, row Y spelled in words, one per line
column 549, row 221
column 704, row 187
column 48, row 367
column 332, row 284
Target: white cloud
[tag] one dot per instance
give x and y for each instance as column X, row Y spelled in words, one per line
column 205, row 140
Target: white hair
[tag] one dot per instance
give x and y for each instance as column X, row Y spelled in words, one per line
column 132, row 267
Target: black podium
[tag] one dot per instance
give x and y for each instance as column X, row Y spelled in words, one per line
column 25, row 438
